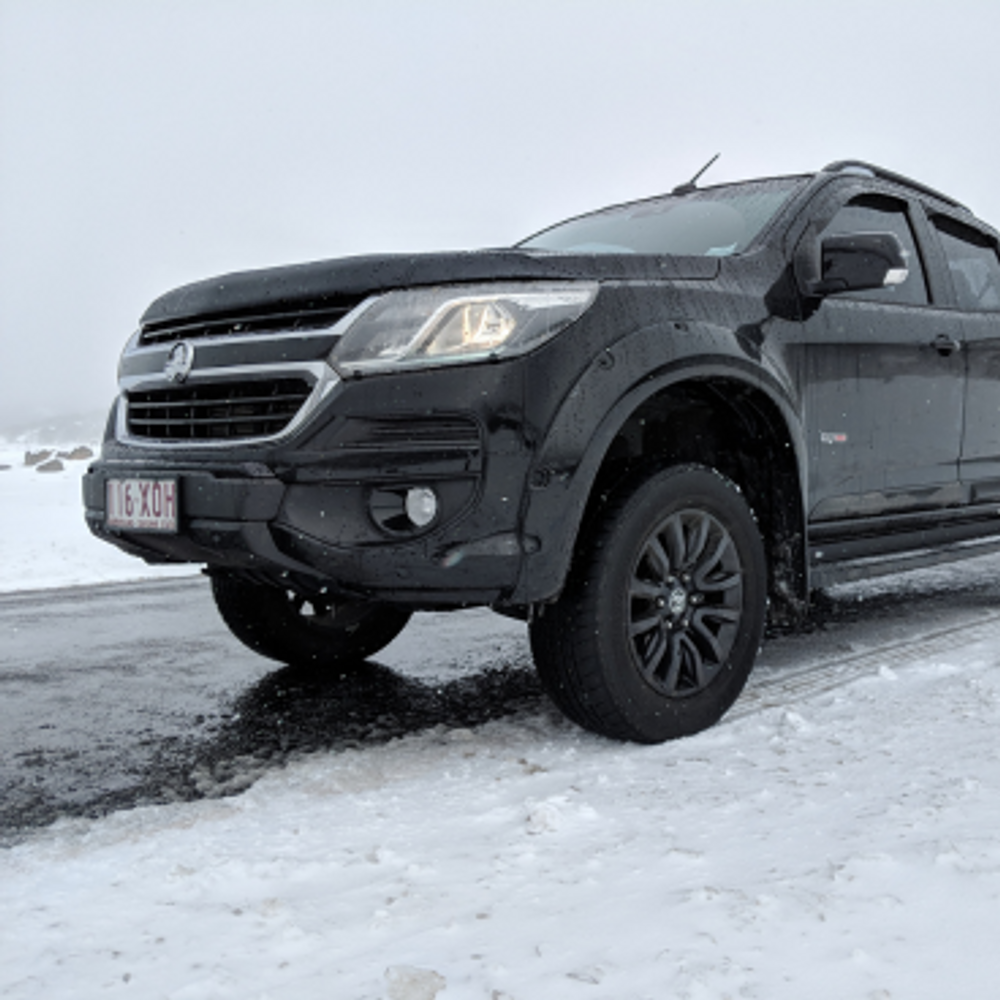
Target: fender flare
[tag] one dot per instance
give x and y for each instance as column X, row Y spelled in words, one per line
column 620, row 378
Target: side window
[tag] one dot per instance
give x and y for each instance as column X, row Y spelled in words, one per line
column 878, row 214
column 973, row 263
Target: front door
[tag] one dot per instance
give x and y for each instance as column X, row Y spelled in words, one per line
column 883, row 385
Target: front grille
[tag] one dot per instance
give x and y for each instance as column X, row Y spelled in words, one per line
column 224, row 411
column 250, row 324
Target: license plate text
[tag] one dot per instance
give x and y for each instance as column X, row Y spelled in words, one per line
column 142, row 504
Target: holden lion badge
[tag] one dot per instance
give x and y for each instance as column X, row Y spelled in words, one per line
column 179, row 362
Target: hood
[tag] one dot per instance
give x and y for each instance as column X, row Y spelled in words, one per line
column 331, row 283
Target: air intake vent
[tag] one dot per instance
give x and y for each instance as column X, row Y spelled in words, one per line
column 257, row 324
column 412, row 434
column 225, row 411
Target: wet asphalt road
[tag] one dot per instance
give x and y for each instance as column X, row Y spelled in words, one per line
column 122, row 695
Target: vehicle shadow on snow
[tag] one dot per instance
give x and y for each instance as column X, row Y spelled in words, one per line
column 292, row 712
column 288, row 713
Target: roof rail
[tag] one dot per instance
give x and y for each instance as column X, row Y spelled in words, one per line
column 870, row 170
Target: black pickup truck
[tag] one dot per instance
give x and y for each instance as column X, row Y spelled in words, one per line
column 642, row 430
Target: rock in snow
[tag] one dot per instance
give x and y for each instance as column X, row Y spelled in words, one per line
column 33, row 458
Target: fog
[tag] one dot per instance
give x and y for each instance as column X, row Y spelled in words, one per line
column 145, row 143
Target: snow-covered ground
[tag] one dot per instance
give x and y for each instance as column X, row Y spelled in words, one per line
column 43, row 539
column 835, row 837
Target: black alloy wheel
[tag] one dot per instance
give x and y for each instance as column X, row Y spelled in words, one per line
column 660, row 621
column 685, row 602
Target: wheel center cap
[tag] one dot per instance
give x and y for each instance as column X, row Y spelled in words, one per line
column 677, row 601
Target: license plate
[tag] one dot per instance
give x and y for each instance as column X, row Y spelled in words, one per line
column 142, row 504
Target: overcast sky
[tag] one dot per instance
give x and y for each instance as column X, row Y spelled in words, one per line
column 148, row 143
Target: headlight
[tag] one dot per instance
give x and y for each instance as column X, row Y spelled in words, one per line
column 426, row 327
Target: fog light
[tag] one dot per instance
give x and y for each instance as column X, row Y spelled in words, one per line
column 421, row 505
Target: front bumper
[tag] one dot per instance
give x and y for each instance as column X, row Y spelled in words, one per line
column 261, row 524
column 307, row 506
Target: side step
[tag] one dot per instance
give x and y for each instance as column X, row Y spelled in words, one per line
column 848, row 570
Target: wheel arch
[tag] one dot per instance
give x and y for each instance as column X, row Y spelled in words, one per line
column 732, row 417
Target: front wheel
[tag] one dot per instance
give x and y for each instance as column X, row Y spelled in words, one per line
column 659, row 624
column 304, row 632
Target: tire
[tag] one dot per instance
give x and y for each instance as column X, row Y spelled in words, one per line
column 284, row 626
column 657, row 629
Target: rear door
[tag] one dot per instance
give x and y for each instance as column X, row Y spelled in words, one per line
column 974, row 266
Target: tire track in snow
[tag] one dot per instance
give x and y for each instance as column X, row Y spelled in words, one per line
column 774, row 687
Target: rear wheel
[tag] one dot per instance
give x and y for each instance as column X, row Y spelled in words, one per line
column 306, row 632
column 659, row 624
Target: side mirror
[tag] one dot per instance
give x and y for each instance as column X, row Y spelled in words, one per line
column 855, row 263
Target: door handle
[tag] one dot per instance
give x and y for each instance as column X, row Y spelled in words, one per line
column 945, row 345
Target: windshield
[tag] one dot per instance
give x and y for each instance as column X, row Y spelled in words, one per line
column 715, row 222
